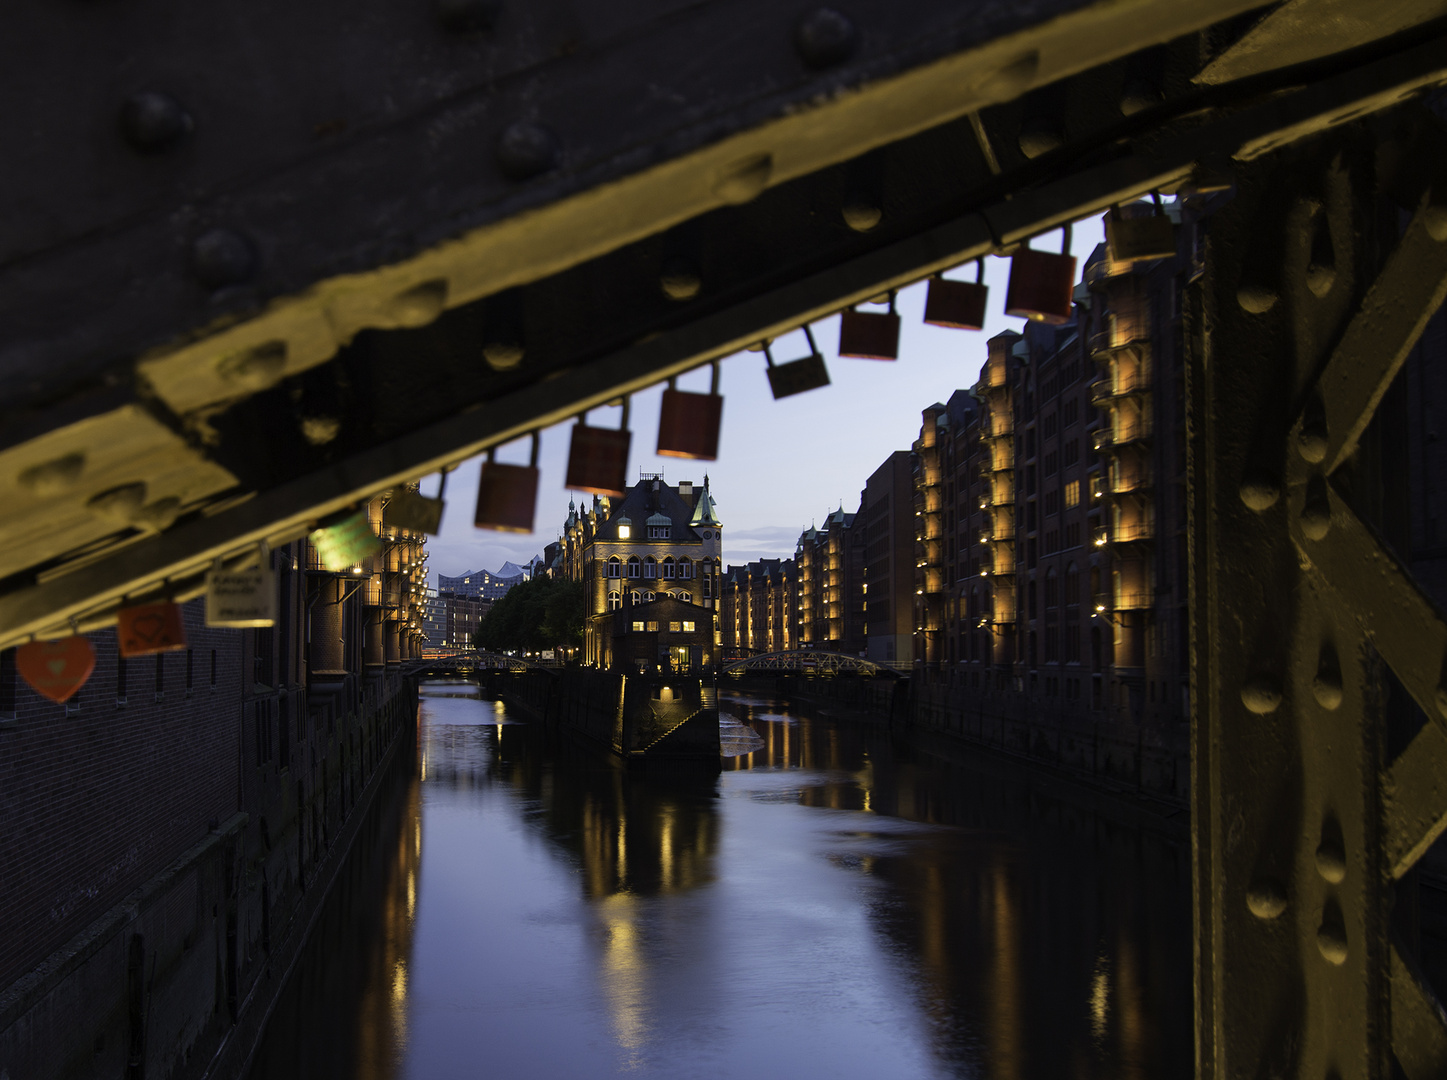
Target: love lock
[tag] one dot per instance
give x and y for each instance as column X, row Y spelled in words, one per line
column 415, row 512
column 150, row 628
column 1132, row 237
column 1041, row 284
column 797, row 376
column 959, row 305
column 598, row 457
column 870, row 335
column 56, row 669
column 688, row 424
column 507, row 495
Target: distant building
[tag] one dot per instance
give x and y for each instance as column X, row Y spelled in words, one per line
column 658, row 542
column 484, row 585
column 758, row 607
column 887, row 507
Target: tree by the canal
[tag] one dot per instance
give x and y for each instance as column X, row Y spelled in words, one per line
column 534, row 615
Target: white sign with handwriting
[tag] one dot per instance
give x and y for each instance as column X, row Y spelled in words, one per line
column 241, row 598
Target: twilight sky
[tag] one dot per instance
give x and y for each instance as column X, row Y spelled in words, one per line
column 782, row 464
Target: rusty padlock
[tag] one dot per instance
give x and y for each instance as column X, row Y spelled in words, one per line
column 959, row 305
column 598, row 458
column 1041, row 284
column 870, row 335
column 507, row 495
column 1131, row 236
column 688, row 424
column 797, row 376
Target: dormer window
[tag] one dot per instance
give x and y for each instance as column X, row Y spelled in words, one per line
column 625, row 528
column 659, row 532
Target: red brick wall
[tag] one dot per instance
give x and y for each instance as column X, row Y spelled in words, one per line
column 96, row 801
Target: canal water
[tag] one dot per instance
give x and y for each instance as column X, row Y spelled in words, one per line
column 834, row 903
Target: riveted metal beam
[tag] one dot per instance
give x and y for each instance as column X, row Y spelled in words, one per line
column 556, row 387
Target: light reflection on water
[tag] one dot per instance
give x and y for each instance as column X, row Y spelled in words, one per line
column 834, row 902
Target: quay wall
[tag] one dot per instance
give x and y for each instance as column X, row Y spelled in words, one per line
column 1135, row 758
column 196, row 838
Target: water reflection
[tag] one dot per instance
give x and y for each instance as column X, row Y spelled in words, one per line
column 835, row 902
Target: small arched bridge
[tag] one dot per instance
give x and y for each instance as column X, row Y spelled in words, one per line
column 809, row 662
column 472, row 662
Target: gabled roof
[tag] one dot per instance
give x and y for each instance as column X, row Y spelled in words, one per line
column 663, row 506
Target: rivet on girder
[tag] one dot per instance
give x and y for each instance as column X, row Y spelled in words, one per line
column 824, row 38
column 1331, row 859
column 1259, row 492
column 320, row 430
column 1326, row 685
column 467, row 16
column 222, row 257
column 1039, row 135
column 1257, row 299
column 526, row 149
column 1262, row 694
column 861, row 213
column 1316, row 514
column 1266, row 898
column 679, row 279
column 1331, row 936
column 152, row 121
column 420, row 304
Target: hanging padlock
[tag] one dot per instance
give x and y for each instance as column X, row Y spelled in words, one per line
column 598, row 458
column 797, row 376
column 688, row 424
column 1041, row 284
column 150, row 628
column 415, row 512
column 959, row 305
column 56, row 669
column 870, row 335
column 507, row 495
column 1137, row 237
column 344, row 540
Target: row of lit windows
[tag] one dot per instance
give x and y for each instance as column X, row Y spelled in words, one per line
column 683, row 626
column 649, row 567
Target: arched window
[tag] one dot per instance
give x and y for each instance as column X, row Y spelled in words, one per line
column 685, row 569
column 615, row 567
column 634, row 566
column 647, row 596
column 650, row 568
column 636, row 597
column 1072, row 584
column 1052, row 589
column 614, row 601
column 667, row 568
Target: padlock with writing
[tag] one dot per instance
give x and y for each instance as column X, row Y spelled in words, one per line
column 688, row 423
column 797, row 376
column 507, row 495
column 1135, row 233
column 150, row 628
column 598, row 457
column 1041, row 284
column 870, row 335
column 959, row 305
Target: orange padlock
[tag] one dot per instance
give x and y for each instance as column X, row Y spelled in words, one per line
column 797, row 376
column 56, row 669
column 150, row 628
column 1132, row 237
column 598, row 458
column 1041, row 284
column 959, row 305
column 870, row 335
column 688, row 424
column 507, row 495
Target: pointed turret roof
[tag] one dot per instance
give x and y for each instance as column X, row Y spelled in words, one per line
column 704, row 511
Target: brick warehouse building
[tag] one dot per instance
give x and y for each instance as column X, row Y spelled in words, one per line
column 166, row 826
column 658, row 542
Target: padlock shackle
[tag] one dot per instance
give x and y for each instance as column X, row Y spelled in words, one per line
column 583, row 416
column 1065, row 238
column 713, row 380
column 533, row 457
column 980, row 270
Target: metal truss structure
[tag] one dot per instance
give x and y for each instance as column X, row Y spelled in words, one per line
column 1318, row 782
column 808, row 662
column 264, row 261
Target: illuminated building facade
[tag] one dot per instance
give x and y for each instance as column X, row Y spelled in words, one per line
column 758, row 607
column 658, row 542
